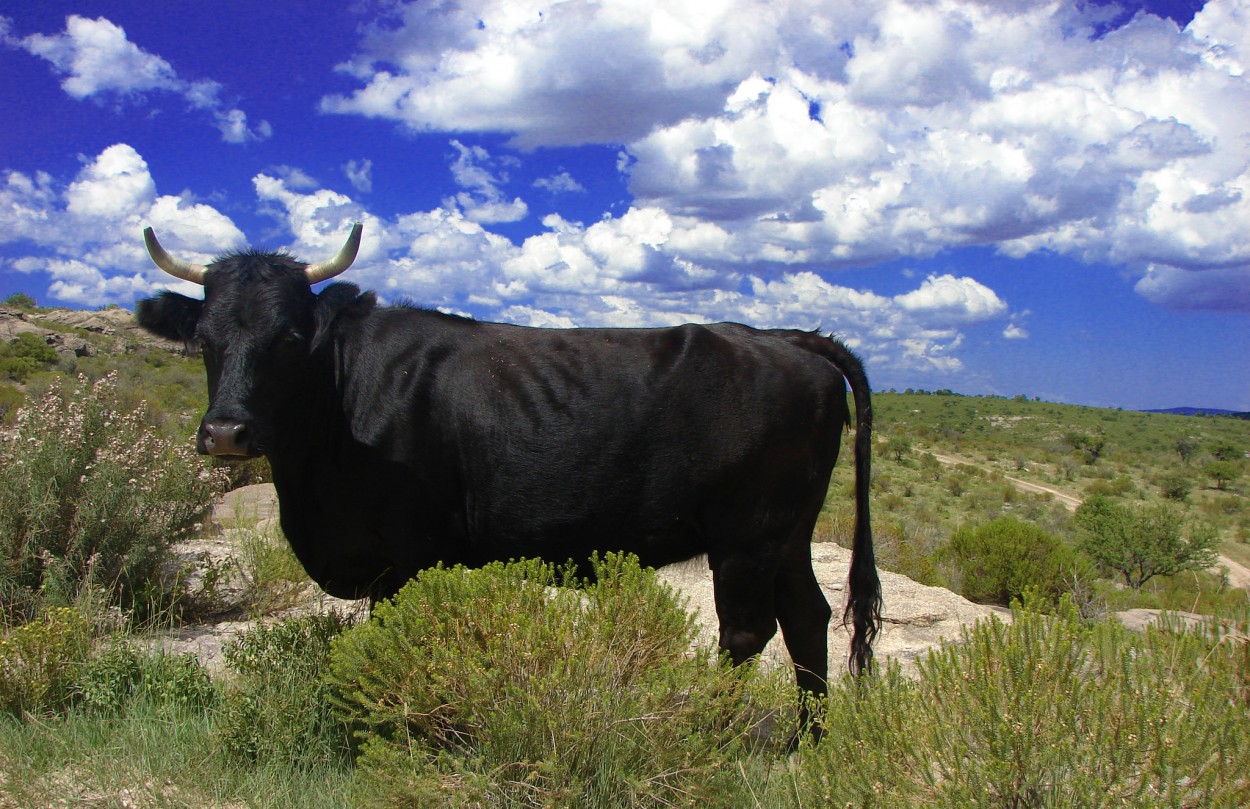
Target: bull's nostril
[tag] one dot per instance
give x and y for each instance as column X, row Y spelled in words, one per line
column 225, row 437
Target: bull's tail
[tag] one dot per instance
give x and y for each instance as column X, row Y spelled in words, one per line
column 863, row 607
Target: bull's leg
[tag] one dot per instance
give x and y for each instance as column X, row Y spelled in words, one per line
column 743, row 590
column 804, row 616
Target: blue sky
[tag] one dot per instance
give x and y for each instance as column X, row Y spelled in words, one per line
column 1049, row 199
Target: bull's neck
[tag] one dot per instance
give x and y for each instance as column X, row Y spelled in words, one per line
column 306, row 453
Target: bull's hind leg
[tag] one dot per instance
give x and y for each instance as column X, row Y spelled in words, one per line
column 804, row 616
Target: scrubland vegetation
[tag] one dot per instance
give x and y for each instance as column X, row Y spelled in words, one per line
column 507, row 687
column 952, row 470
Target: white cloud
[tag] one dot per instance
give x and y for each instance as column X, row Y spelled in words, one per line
column 950, row 300
column 98, row 60
column 359, row 174
column 811, row 135
column 619, row 272
column 439, row 258
column 87, row 234
column 560, row 183
column 482, row 200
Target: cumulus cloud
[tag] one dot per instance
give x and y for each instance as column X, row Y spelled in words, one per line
column 360, row 174
column 560, row 183
column 439, row 258
column 627, row 270
column 86, row 235
column 99, row 61
column 620, row 271
column 482, row 200
column 812, row 135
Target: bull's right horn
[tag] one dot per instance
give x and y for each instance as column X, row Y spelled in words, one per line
column 328, row 269
column 174, row 266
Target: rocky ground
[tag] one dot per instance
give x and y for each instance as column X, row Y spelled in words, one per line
column 916, row 617
column 79, row 333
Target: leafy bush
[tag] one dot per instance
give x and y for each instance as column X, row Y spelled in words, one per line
column 278, row 711
column 1174, row 486
column 1114, row 487
column 500, row 687
column 107, row 681
column 1047, row 711
column 997, row 562
column 21, row 300
column 91, row 497
column 24, row 355
column 38, row 661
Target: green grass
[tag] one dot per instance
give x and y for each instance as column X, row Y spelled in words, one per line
column 149, row 756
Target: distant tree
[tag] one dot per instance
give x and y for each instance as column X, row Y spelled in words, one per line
column 21, row 300
column 1186, row 446
column 1091, row 446
column 1140, row 544
column 1176, row 486
column 898, row 446
column 1222, row 472
column 1227, row 451
column 931, row 466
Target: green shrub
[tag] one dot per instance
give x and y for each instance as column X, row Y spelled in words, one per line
column 277, row 711
column 38, row 661
column 90, row 496
column 1118, row 486
column 500, row 687
column 1047, row 711
column 21, row 300
column 1173, row 486
column 24, row 355
column 107, row 681
column 997, row 562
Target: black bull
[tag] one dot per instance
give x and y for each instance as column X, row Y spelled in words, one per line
column 400, row 438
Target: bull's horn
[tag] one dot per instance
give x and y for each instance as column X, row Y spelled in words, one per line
column 336, row 265
column 174, row 266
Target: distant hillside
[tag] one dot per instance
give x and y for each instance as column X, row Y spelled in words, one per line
column 1201, row 411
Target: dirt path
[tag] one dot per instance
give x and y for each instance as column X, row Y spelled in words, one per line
column 1238, row 574
column 1069, row 501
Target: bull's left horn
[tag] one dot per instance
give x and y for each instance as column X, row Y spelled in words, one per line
column 174, row 266
column 336, row 265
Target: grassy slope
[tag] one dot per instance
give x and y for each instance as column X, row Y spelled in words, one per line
column 150, row 758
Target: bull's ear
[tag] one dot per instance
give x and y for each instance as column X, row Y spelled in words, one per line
column 336, row 304
column 169, row 315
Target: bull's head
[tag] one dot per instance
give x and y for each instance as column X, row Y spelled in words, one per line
column 257, row 326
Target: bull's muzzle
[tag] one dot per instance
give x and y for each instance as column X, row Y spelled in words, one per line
column 225, row 438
